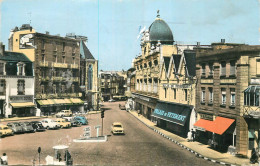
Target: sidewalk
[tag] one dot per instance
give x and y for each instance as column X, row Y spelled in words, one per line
column 197, row 148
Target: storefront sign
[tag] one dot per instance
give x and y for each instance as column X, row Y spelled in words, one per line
column 255, row 114
column 206, row 116
column 255, row 81
column 172, row 112
column 199, row 128
column 141, row 97
column 21, row 98
column 181, row 86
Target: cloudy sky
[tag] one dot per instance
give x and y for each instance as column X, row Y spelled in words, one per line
column 112, row 26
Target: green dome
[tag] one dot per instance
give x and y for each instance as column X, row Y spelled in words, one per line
column 159, row 30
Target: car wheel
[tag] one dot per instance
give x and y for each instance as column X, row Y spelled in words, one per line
column 61, row 126
column 35, row 130
column 48, row 128
column 12, row 133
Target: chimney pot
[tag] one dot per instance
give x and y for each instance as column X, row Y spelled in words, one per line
column 198, row 43
column 222, row 40
column 2, row 49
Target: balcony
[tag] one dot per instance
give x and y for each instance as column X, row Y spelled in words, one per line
column 59, row 65
column 251, row 111
column 74, row 79
column 57, row 78
column 52, row 96
column 44, row 78
column 74, row 66
column 44, row 64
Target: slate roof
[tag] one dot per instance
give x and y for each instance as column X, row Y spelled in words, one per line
column 84, row 51
column 176, row 62
column 190, row 59
column 14, row 56
column 166, row 63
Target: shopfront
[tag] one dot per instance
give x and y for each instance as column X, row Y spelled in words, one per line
column 23, row 109
column 173, row 117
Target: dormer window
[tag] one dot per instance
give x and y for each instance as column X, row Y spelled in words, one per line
column 20, row 67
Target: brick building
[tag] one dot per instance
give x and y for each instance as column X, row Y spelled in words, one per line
column 56, row 66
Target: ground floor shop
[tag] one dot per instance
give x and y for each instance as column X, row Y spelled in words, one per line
column 52, row 106
column 219, row 133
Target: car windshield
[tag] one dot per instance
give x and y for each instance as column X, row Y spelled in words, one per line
column 117, row 125
column 17, row 124
column 6, row 128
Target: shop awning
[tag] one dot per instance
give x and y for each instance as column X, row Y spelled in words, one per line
column 22, row 105
column 172, row 112
column 221, row 125
column 59, row 101
column 218, row 126
column 68, row 102
column 50, row 101
column 203, row 125
column 76, row 101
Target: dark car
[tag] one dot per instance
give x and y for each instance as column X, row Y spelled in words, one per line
column 37, row 126
column 16, row 127
column 27, row 127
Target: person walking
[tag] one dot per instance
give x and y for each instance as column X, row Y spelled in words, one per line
column 189, row 136
column 4, row 159
column 193, row 135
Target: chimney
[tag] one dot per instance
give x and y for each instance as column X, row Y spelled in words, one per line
column 222, row 40
column 47, row 32
column 2, row 49
column 198, row 44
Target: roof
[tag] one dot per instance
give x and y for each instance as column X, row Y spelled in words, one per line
column 14, row 56
column 166, row 63
column 190, row 59
column 84, row 51
column 176, row 60
column 159, row 30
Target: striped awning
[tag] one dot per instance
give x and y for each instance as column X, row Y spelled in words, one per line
column 59, row 101
column 76, row 101
column 68, row 101
column 22, row 105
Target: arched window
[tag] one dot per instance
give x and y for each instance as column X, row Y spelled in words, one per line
column 90, row 77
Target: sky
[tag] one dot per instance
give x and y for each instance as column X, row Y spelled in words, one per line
column 112, row 26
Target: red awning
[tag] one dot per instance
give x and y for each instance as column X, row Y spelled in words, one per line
column 221, row 125
column 203, row 124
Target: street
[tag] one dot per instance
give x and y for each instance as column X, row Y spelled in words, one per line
column 139, row 146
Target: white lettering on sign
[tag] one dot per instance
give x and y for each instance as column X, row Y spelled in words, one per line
column 87, row 128
column 97, row 127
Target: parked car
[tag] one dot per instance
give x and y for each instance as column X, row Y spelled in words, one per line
column 50, row 124
column 81, row 119
column 63, row 113
column 27, row 127
column 117, row 128
column 16, row 127
column 5, row 130
column 122, row 107
column 72, row 121
column 111, row 100
column 37, row 126
column 63, row 123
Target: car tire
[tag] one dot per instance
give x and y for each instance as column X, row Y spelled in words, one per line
column 35, row 130
column 61, row 126
column 48, row 128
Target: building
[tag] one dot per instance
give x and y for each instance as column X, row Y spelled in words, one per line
column 88, row 73
column 227, row 97
column 16, row 84
column 56, row 66
column 112, row 85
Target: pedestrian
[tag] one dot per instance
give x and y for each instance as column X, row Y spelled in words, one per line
column 4, row 159
column 189, row 136
column 58, row 156
column 254, row 156
column 193, row 134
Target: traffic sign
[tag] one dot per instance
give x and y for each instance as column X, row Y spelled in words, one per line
column 87, row 128
column 97, row 127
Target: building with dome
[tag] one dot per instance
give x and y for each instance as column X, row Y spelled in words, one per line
column 164, row 79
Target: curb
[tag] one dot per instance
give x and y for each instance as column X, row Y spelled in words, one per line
column 183, row 146
column 18, row 119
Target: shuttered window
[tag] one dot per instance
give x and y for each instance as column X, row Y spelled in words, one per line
column 232, row 68
column 223, row 69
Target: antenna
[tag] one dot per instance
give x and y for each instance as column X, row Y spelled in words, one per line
column 30, row 15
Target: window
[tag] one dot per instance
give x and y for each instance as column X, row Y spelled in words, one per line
column 54, row 90
column 72, row 88
column 55, row 58
column 54, row 46
column 63, row 46
column 63, row 59
column 210, row 69
column 43, row 44
column 43, row 58
column 232, row 97
column 223, row 69
column 186, row 94
column 165, row 92
column 203, row 94
column 174, row 91
column 232, row 68
column 210, row 95
column 20, row 67
column 62, row 88
column 223, row 96
column 21, row 87
column 203, row 69
column 2, row 69
column 2, row 87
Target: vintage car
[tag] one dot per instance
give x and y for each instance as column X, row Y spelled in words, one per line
column 16, row 127
column 111, row 100
column 117, row 128
column 81, row 119
column 64, row 113
column 37, row 126
column 5, row 130
column 27, row 127
column 50, row 124
column 73, row 122
column 63, row 123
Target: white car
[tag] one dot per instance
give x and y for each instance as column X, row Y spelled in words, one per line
column 50, row 124
column 111, row 100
